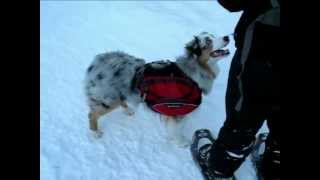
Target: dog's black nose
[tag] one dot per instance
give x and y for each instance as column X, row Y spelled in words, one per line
column 226, row 38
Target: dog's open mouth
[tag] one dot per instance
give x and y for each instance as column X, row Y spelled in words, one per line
column 219, row 52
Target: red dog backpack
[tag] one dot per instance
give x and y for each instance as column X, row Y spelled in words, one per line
column 166, row 89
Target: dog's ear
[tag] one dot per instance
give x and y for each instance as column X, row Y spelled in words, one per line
column 193, row 47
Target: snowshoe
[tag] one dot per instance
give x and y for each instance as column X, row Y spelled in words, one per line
column 201, row 151
column 257, row 153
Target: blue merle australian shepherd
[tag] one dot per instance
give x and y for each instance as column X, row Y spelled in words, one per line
column 109, row 79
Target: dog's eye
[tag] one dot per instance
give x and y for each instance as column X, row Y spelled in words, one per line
column 208, row 41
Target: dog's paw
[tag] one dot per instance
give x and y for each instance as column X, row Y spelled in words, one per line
column 129, row 111
column 97, row 134
column 183, row 146
column 181, row 143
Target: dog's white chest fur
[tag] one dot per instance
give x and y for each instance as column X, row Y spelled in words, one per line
column 197, row 73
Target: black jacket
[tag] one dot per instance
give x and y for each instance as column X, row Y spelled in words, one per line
column 251, row 10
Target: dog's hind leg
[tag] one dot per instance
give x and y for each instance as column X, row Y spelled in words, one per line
column 97, row 111
column 129, row 111
column 93, row 121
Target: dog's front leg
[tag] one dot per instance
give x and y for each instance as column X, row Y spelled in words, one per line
column 174, row 127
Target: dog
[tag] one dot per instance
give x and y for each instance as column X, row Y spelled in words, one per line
column 108, row 80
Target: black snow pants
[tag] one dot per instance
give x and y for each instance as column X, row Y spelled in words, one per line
column 253, row 97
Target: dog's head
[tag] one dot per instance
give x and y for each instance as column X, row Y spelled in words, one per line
column 207, row 47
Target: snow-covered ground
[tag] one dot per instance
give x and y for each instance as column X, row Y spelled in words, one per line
column 132, row 148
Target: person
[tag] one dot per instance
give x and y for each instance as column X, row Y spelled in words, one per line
column 253, row 95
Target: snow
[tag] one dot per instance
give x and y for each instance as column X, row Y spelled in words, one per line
column 132, row 148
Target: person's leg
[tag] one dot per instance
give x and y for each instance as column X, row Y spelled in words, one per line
column 234, row 142
column 237, row 135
